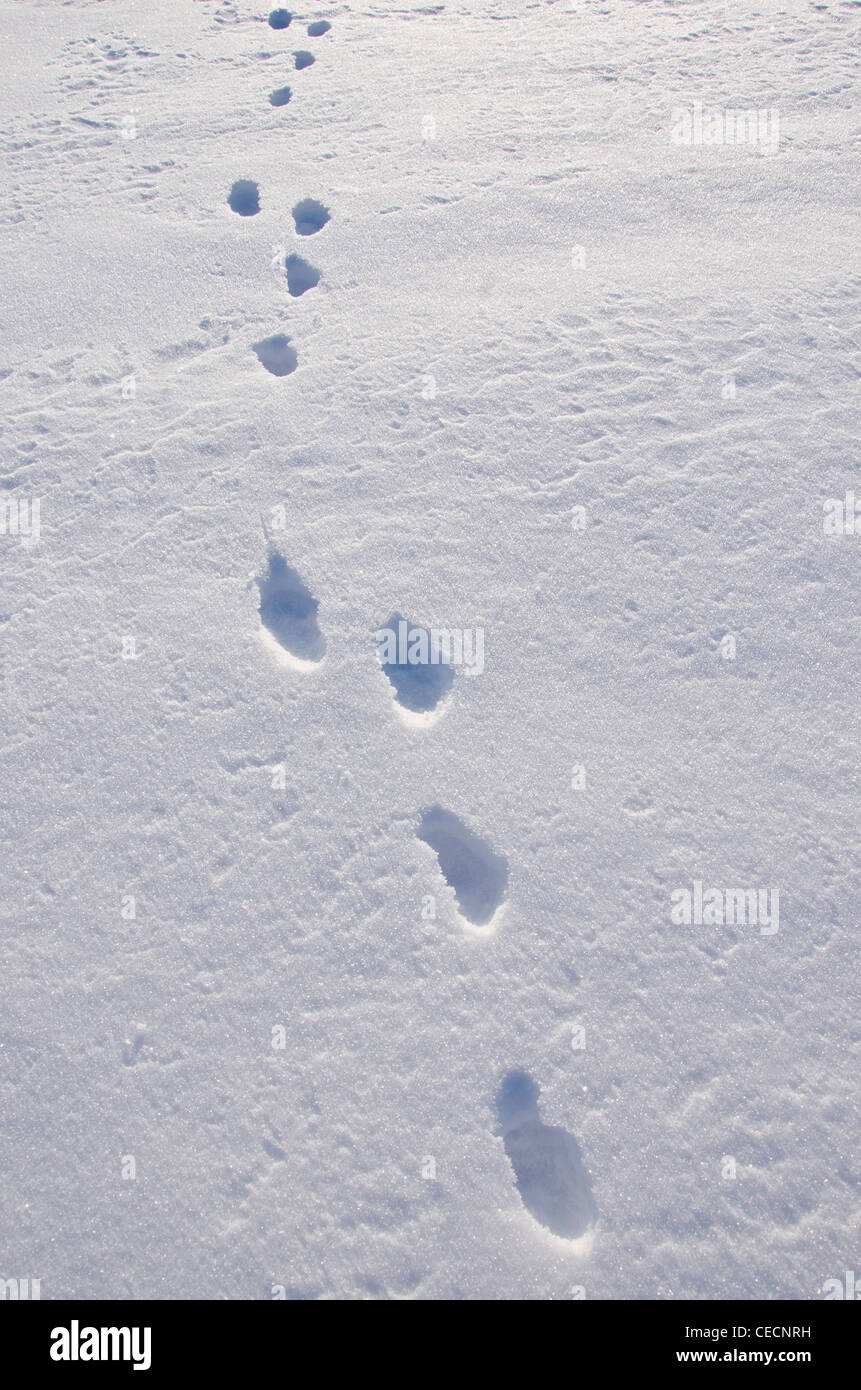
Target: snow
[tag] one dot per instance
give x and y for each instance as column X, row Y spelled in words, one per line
column 387, row 1002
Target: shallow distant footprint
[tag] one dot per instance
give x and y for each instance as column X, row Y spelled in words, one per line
column 288, row 615
column 310, row 216
column 546, row 1159
column 276, row 354
column 477, row 874
column 244, row 198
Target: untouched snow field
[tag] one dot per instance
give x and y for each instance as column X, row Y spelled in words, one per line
column 330, row 976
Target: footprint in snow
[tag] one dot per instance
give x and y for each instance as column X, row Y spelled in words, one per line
column 310, row 216
column 244, row 198
column 303, row 58
column 412, row 659
column 318, row 28
column 280, row 96
column 477, row 874
column 300, row 275
column 288, row 615
column 280, row 19
column 548, row 1167
column 276, row 354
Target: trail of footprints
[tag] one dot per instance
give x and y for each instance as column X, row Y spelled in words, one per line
column 548, row 1168
column 477, row 875
column 288, row 612
column 309, row 217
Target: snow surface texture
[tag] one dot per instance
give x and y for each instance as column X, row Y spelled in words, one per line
column 374, row 1007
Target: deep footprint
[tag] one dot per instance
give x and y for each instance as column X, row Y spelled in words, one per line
column 478, row 876
column 548, row 1166
column 304, row 59
column 276, row 354
column 280, row 19
column 244, row 198
column 300, row 276
column 288, row 612
column 320, row 26
column 280, row 96
column 420, row 684
column 309, row 216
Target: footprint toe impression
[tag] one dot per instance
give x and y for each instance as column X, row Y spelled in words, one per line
column 309, row 216
column 276, row 354
column 548, row 1166
column 288, row 612
column 280, row 19
column 300, row 275
column 477, row 874
column 244, row 198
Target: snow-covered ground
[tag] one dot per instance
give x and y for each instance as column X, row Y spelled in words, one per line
column 322, row 983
